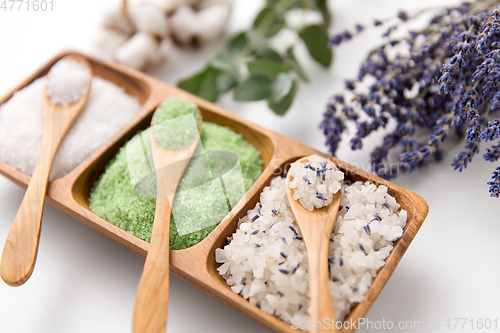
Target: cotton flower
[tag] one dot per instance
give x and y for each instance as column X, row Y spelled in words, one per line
column 198, row 27
column 140, row 33
column 140, row 50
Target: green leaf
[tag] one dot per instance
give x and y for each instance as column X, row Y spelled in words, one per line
column 223, row 62
column 225, row 82
column 282, row 107
column 281, row 87
column 268, row 22
column 238, row 43
column 295, row 65
column 268, row 53
column 203, row 84
column 257, row 41
column 323, row 7
column 282, row 6
column 265, row 67
column 254, row 88
column 226, row 61
column 316, row 39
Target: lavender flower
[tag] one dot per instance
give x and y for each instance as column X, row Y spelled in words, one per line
column 492, row 154
column 447, row 86
column 495, row 184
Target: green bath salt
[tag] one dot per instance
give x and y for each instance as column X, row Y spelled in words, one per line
column 212, row 184
column 179, row 133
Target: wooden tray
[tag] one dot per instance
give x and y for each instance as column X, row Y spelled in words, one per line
column 196, row 265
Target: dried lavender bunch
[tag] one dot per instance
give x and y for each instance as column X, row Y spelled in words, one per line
column 441, row 83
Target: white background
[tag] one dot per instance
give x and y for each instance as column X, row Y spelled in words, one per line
column 84, row 282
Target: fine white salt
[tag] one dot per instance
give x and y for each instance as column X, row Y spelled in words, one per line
column 314, row 182
column 67, row 82
column 266, row 260
column 107, row 110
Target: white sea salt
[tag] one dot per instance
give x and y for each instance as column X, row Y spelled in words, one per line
column 266, row 261
column 314, row 182
column 67, row 82
column 107, row 110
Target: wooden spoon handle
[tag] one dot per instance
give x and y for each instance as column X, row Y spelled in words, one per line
column 321, row 301
column 151, row 303
column 21, row 247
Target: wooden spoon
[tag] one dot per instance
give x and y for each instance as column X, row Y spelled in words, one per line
column 151, row 303
column 21, row 248
column 316, row 228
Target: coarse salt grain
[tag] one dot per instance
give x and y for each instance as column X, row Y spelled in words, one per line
column 273, row 274
column 67, row 82
column 107, row 110
column 314, row 182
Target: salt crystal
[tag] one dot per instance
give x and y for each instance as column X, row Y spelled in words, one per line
column 67, row 82
column 237, row 289
column 394, row 233
column 257, row 287
column 219, row 256
column 384, row 229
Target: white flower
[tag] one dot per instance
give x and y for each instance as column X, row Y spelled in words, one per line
column 139, row 33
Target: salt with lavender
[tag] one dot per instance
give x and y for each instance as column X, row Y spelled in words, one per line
column 314, row 182
column 265, row 260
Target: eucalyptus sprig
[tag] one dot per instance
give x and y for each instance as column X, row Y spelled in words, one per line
column 254, row 69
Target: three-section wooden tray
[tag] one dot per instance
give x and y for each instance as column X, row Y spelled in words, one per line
column 196, row 265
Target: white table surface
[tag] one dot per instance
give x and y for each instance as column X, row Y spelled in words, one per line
column 84, row 282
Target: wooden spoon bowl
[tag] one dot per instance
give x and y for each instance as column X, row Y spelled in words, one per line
column 21, row 248
column 316, row 227
column 196, row 265
column 151, row 304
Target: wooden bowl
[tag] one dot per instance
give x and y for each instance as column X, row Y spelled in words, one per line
column 196, row 265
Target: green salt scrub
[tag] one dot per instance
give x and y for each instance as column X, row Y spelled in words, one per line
column 199, row 205
column 180, row 133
